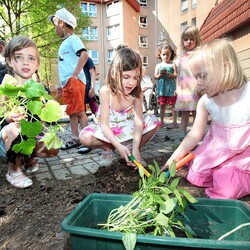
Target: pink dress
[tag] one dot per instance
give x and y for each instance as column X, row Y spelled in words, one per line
column 222, row 161
column 187, row 97
column 122, row 124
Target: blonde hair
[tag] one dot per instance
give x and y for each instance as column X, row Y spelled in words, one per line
column 224, row 69
column 125, row 59
column 190, row 32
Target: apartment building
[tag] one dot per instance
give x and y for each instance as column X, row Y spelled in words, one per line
column 142, row 25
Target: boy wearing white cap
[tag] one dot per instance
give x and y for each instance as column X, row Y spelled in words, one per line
column 72, row 56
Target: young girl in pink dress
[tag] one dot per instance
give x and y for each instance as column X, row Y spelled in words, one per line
column 187, row 96
column 222, row 161
column 121, row 124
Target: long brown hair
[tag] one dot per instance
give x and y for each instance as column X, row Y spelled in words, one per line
column 125, row 59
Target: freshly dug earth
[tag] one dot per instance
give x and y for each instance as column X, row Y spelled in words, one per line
column 31, row 218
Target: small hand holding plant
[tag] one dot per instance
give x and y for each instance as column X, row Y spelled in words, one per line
column 36, row 111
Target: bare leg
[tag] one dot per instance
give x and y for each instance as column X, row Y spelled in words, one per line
column 92, row 142
column 74, row 125
column 10, row 132
column 184, row 120
column 83, row 119
column 15, row 174
column 148, row 136
column 194, row 115
column 162, row 113
column 74, row 119
column 174, row 115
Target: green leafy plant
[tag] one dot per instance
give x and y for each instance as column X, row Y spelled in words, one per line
column 156, row 209
column 41, row 113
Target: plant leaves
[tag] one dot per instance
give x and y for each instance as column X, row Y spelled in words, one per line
column 172, row 169
column 51, row 140
column 51, row 112
column 168, row 206
column 25, row 147
column 162, row 177
column 34, row 89
column 141, row 172
column 31, row 129
column 188, row 196
column 152, row 169
column 162, row 219
column 178, row 196
column 174, row 183
column 10, row 90
column 157, row 168
column 129, row 240
column 35, row 107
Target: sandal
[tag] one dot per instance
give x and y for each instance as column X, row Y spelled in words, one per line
column 172, row 126
column 71, row 144
column 106, row 162
column 18, row 182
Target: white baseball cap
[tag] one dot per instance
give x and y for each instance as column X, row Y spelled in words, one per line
column 65, row 16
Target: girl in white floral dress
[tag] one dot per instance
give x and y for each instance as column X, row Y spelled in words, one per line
column 121, row 124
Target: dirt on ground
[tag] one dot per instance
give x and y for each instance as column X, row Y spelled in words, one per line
column 31, row 218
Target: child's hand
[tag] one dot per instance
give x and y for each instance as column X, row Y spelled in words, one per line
column 167, row 164
column 136, row 154
column 124, row 152
column 91, row 92
column 17, row 115
column 163, row 71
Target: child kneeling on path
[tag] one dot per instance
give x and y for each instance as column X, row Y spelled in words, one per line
column 222, row 161
column 22, row 61
column 121, row 123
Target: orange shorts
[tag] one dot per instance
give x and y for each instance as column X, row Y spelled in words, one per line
column 73, row 96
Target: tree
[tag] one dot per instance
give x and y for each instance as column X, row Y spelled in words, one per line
column 29, row 17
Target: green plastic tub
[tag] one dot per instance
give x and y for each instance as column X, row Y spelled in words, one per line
column 208, row 219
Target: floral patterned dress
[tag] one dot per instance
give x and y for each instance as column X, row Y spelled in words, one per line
column 122, row 124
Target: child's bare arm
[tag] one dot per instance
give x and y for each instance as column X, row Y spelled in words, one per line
column 83, row 57
column 138, row 119
column 193, row 137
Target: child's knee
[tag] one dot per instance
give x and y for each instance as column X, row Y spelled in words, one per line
column 86, row 139
column 229, row 183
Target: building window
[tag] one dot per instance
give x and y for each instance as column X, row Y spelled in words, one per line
column 143, row 41
column 90, row 33
column 145, row 61
column 112, row 8
column 89, row 9
column 110, row 55
column 142, row 2
column 143, row 21
column 113, row 32
column 193, row 21
column 193, row 4
column 93, row 54
column 184, row 6
column 183, row 26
